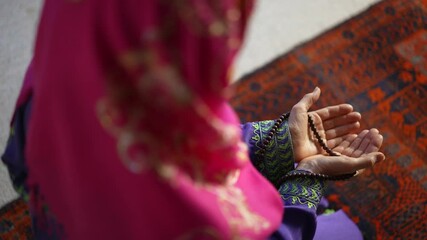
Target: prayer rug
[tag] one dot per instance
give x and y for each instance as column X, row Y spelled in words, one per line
column 376, row 61
column 15, row 222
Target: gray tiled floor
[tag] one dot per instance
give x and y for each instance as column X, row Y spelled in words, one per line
column 276, row 27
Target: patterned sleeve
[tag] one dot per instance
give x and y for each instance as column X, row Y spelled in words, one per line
column 278, row 158
column 300, row 196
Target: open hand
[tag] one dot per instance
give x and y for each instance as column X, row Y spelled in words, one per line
column 334, row 123
column 359, row 151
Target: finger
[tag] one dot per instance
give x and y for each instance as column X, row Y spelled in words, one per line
column 307, row 101
column 340, row 143
column 342, row 120
column 342, row 130
column 355, row 144
column 340, row 165
column 367, row 140
column 334, row 111
column 375, row 144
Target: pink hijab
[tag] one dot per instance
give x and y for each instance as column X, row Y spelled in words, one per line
column 131, row 136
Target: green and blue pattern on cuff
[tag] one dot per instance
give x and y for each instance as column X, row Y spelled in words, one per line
column 302, row 191
column 278, row 158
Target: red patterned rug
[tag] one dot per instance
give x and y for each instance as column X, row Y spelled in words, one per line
column 15, row 221
column 376, row 61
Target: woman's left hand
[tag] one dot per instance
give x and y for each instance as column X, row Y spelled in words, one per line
column 359, row 152
column 332, row 123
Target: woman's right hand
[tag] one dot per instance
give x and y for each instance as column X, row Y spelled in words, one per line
column 333, row 124
column 358, row 152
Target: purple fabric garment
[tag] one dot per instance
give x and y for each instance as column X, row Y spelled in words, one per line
column 336, row 226
column 324, row 203
column 299, row 222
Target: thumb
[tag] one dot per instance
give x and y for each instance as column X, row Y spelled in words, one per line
column 368, row 160
column 298, row 117
column 307, row 101
column 332, row 165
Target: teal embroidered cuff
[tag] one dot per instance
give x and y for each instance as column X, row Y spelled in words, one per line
column 302, row 191
column 278, row 158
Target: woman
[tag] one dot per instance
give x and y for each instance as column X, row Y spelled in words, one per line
column 124, row 127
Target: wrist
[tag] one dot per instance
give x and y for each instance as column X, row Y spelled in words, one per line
column 308, row 166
